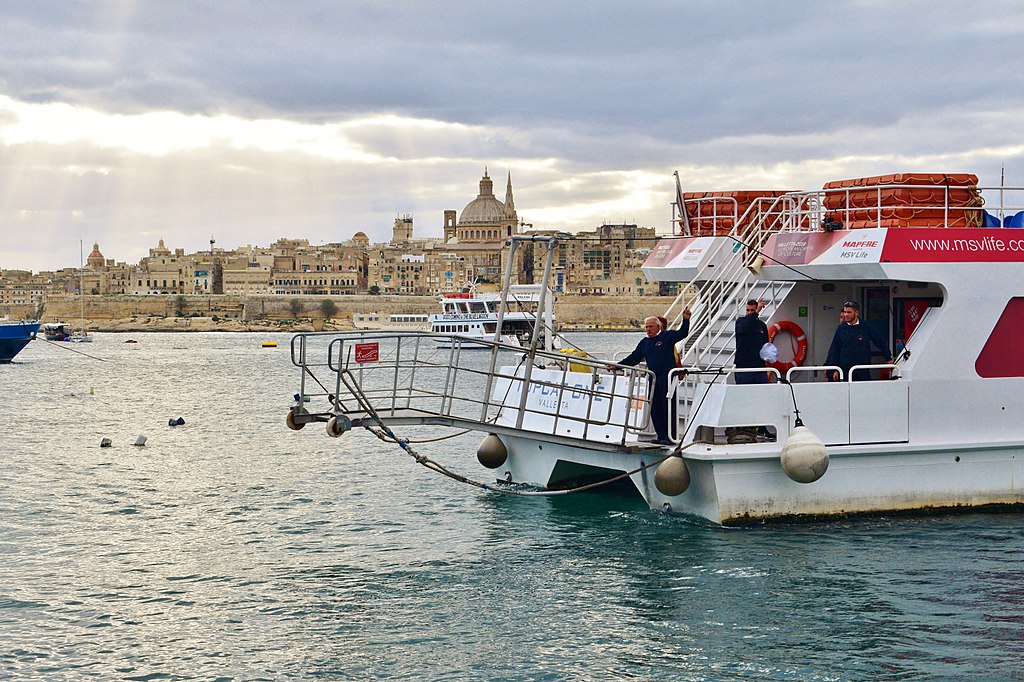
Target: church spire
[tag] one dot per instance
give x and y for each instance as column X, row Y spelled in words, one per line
column 510, row 204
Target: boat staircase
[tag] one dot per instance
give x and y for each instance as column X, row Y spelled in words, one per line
column 719, row 296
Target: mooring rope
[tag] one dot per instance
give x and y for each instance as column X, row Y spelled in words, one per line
column 54, row 343
column 386, row 435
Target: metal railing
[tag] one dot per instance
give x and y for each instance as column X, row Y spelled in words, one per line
column 408, row 377
column 872, row 206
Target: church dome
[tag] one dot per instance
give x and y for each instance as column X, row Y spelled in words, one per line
column 485, row 208
column 360, row 238
column 95, row 258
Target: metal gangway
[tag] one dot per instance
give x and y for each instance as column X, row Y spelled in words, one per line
column 368, row 378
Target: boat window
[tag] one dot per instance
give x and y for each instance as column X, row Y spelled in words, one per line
column 477, row 307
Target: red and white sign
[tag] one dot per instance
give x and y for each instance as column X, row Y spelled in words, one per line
column 367, row 352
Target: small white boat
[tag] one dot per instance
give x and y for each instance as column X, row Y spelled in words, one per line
column 56, row 331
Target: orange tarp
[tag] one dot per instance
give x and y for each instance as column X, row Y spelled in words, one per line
column 933, row 200
column 934, row 179
column 711, row 213
column 904, row 196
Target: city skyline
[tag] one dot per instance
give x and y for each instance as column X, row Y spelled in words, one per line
column 123, row 123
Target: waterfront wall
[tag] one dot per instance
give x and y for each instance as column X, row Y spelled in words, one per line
column 614, row 310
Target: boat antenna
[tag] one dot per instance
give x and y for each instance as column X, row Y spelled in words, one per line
column 1002, row 186
column 684, row 216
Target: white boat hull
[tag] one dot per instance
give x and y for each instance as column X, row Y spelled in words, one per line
column 735, row 484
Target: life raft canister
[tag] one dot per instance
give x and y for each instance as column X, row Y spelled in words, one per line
column 801, row 345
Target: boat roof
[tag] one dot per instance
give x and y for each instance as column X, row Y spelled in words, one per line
column 898, row 226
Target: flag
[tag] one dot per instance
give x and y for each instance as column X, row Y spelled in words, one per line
column 684, row 216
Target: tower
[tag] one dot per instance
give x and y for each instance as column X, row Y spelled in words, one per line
column 449, row 225
column 403, row 229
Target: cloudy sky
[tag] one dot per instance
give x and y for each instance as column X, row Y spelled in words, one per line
column 128, row 121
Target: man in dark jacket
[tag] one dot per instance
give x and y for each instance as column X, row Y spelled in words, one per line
column 658, row 349
column 851, row 344
column 751, row 335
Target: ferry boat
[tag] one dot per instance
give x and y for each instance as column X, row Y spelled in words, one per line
column 14, row 336
column 937, row 268
column 474, row 315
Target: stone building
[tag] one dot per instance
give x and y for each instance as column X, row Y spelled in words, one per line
column 485, row 218
column 471, row 250
column 330, row 269
column 606, row 261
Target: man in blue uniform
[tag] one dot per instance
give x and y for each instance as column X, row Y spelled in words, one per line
column 751, row 335
column 851, row 344
column 658, row 350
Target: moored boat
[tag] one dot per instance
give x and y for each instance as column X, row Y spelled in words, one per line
column 478, row 315
column 14, row 336
column 56, row 331
column 938, row 426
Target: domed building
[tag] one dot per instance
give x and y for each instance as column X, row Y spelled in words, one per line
column 361, row 240
column 95, row 259
column 486, row 218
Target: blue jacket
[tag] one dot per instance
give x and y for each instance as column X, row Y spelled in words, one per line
column 851, row 346
column 659, row 351
column 751, row 335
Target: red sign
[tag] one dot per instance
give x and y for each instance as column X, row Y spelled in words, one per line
column 367, row 352
column 994, row 245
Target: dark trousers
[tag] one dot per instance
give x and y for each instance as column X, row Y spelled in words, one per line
column 660, row 409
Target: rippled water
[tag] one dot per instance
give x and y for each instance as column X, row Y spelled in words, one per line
column 233, row 548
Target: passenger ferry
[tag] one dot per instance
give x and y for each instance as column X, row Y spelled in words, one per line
column 392, row 321
column 473, row 315
column 934, row 262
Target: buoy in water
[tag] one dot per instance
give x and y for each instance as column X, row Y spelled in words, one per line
column 140, row 439
column 803, row 457
column 492, row 453
column 672, row 478
column 105, row 443
column 269, row 344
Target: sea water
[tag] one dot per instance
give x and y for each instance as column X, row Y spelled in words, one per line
column 232, row 548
